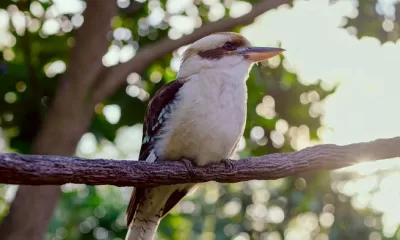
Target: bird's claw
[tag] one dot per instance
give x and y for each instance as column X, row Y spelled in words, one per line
column 189, row 165
column 229, row 164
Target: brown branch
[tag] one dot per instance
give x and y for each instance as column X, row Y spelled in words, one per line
column 56, row 170
column 115, row 76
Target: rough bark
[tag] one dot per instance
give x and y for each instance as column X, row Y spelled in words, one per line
column 56, row 170
column 68, row 118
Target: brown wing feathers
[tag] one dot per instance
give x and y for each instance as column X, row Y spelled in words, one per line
column 175, row 197
column 153, row 120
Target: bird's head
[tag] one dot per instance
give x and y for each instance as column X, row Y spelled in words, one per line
column 223, row 51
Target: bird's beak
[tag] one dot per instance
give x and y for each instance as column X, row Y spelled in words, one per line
column 258, row 54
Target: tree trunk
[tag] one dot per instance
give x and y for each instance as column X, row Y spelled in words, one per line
column 69, row 117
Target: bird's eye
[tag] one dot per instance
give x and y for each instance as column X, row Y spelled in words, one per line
column 229, row 46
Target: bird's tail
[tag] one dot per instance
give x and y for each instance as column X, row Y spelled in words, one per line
column 143, row 228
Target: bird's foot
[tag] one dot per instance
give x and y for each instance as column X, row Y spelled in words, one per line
column 189, row 165
column 229, row 164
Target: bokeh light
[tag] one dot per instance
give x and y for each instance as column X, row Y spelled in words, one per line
column 322, row 49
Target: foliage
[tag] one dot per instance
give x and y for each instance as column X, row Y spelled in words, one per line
column 281, row 117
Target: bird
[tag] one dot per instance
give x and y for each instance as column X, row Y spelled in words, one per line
column 200, row 116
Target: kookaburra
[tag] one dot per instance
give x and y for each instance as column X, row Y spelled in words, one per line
column 199, row 116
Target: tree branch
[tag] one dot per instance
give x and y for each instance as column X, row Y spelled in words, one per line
column 56, row 170
column 115, row 76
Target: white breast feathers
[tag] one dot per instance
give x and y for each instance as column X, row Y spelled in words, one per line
column 207, row 119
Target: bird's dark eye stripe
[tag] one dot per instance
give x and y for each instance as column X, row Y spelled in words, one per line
column 219, row 52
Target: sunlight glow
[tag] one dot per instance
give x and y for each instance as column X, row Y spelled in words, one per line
column 55, row 68
column 112, row 113
column 362, row 108
column 239, row 8
column 87, row 144
column 69, row 7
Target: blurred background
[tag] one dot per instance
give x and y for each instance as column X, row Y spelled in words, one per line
column 73, row 81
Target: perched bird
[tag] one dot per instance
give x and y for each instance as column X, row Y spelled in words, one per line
column 199, row 116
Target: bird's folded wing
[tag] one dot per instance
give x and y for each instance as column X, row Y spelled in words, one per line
column 155, row 114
